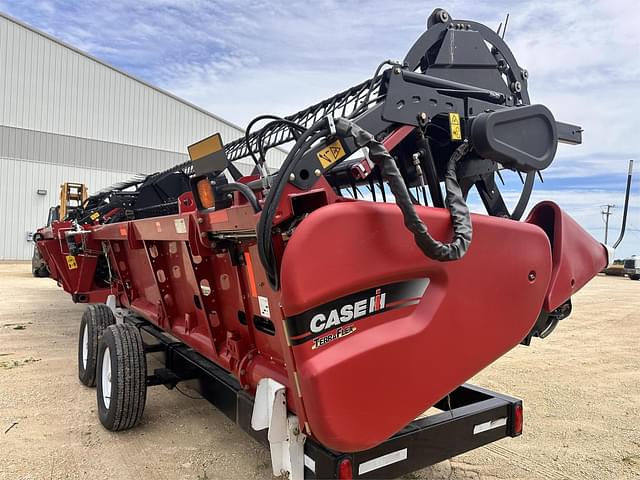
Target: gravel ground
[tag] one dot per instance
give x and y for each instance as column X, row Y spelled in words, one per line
column 580, row 389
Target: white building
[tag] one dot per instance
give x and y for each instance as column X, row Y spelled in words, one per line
column 68, row 117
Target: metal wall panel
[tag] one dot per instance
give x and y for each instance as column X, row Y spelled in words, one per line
column 22, row 210
column 51, row 87
column 65, row 116
column 20, row 144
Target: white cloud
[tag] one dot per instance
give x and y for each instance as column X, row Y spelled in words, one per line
column 241, row 59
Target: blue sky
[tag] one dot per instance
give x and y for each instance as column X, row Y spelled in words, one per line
column 242, row 58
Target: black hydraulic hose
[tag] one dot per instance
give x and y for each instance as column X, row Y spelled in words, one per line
column 432, row 248
column 265, row 244
column 245, row 190
column 248, row 131
column 454, row 199
column 363, row 106
column 295, row 129
column 278, row 120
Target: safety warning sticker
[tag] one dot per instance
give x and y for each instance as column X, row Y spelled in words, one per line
column 454, row 124
column 181, row 227
column 331, row 154
column 71, row 262
column 263, row 303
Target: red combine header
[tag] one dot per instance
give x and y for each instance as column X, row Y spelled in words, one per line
column 328, row 305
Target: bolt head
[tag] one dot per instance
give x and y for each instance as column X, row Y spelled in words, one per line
column 516, row 87
column 292, row 177
column 317, row 172
column 397, row 70
column 532, row 276
column 525, row 73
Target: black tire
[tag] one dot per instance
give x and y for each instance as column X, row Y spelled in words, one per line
column 634, row 277
column 95, row 319
column 128, row 378
column 40, row 272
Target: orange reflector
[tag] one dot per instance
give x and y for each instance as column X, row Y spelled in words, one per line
column 205, row 193
column 252, row 278
column 345, row 470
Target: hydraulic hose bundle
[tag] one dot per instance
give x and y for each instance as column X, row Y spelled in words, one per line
column 265, row 245
column 432, row 248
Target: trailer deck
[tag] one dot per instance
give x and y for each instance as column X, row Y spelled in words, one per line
column 469, row 417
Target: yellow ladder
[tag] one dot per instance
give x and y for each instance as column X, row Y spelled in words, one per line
column 72, row 196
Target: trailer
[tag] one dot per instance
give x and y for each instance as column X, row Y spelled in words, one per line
column 467, row 418
column 631, row 267
column 323, row 320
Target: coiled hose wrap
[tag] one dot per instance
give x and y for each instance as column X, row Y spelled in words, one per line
column 344, row 128
column 454, row 199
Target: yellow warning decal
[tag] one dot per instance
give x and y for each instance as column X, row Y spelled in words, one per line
column 331, row 154
column 454, row 124
column 94, row 215
column 71, row 262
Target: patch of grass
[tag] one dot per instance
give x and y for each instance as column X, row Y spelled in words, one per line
column 17, row 326
column 9, row 364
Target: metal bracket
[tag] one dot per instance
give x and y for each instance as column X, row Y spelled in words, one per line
column 286, row 441
column 332, row 125
column 118, row 313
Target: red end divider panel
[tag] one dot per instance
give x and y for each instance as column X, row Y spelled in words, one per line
column 380, row 333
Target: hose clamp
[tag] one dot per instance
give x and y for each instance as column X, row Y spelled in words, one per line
column 332, row 125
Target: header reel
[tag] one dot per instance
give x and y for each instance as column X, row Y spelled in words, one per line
column 459, row 82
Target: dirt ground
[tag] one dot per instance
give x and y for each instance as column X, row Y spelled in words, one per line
column 581, row 392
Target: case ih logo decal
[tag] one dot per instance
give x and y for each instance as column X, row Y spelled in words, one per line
column 335, row 316
column 351, row 311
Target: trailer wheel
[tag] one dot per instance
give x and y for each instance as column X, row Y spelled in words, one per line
column 40, row 272
column 95, row 319
column 634, row 277
column 122, row 377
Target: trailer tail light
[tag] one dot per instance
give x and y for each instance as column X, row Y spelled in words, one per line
column 518, row 419
column 345, row 469
column 205, row 193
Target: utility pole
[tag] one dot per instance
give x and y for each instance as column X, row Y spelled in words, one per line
column 605, row 216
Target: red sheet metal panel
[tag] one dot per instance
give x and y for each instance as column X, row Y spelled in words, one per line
column 577, row 256
column 366, row 332
column 365, row 379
